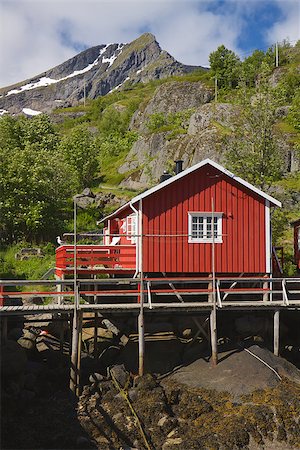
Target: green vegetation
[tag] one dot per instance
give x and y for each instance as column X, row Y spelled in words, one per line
column 32, row 268
column 252, row 150
column 176, row 123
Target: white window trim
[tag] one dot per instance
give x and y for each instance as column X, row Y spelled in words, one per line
column 217, row 240
column 131, row 228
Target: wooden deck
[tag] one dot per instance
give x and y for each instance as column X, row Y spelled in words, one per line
column 157, row 295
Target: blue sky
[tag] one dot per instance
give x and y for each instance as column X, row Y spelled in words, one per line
column 39, row 34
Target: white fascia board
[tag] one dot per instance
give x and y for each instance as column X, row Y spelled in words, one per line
column 198, row 166
column 268, row 237
column 185, row 172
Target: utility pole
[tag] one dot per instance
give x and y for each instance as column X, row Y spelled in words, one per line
column 84, row 94
column 276, row 55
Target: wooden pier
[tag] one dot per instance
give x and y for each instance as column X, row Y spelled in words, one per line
column 141, row 297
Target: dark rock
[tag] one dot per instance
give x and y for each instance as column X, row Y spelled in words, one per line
column 96, row 377
column 120, row 374
column 28, row 340
column 132, row 394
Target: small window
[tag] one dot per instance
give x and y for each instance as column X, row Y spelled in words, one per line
column 131, row 228
column 205, row 227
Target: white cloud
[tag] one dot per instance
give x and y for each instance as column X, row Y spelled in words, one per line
column 289, row 26
column 39, row 34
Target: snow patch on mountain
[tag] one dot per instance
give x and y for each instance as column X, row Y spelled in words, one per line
column 31, row 112
column 45, row 81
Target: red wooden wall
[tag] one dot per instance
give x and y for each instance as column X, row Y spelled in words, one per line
column 296, row 244
column 166, row 212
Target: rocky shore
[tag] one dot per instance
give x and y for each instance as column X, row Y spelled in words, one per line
column 251, row 400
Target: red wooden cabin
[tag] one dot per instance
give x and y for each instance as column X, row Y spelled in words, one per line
column 296, row 226
column 175, row 227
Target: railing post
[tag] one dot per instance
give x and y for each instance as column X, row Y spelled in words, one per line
column 266, row 286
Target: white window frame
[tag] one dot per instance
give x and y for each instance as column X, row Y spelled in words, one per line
column 205, row 215
column 131, row 228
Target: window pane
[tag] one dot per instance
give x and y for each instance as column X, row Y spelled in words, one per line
column 215, row 227
column 208, row 227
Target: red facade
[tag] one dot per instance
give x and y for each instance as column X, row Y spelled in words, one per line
column 159, row 227
column 165, row 212
column 296, row 226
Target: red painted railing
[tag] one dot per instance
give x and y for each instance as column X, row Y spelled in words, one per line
column 95, row 258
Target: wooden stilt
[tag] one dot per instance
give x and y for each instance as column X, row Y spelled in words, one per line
column 266, row 286
column 141, row 331
column 80, row 317
column 210, row 288
column 95, row 325
column 71, row 334
column 60, row 288
column 213, row 336
column 276, row 332
column 74, row 352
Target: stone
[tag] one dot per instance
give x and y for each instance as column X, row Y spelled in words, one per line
column 28, row 340
column 171, row 442
column 132, row 394
column 120, row 374
column 96, row 377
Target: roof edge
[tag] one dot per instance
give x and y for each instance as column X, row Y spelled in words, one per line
column 185, row 172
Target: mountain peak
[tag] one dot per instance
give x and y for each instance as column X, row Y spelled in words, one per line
column 93, row 72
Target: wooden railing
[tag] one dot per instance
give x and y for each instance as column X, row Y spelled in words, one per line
column 95, row 258
column 169, row 292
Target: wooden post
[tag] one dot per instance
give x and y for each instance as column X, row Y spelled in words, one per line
column 75, row 341
column 95, row 324
column 266, row 286
column 74, row 353
column 80, row 317
column 213, row 336
column 141, row 331
column 276, row 332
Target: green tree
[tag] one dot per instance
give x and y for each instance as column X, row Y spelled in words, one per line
column 251, row 66
column 35, row 184
column 34, row 190
column 225, row 65
column 252, row 150
column 80, row 151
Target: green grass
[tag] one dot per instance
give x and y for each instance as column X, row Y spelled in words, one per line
column 31, row 269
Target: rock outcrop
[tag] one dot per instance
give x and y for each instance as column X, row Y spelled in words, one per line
column 203, row 137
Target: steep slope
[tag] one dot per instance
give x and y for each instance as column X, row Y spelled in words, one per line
column 94, row 72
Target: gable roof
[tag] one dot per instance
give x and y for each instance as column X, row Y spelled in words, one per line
column 185, row 172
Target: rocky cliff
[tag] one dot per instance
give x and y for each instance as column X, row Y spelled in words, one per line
column 92, row 73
